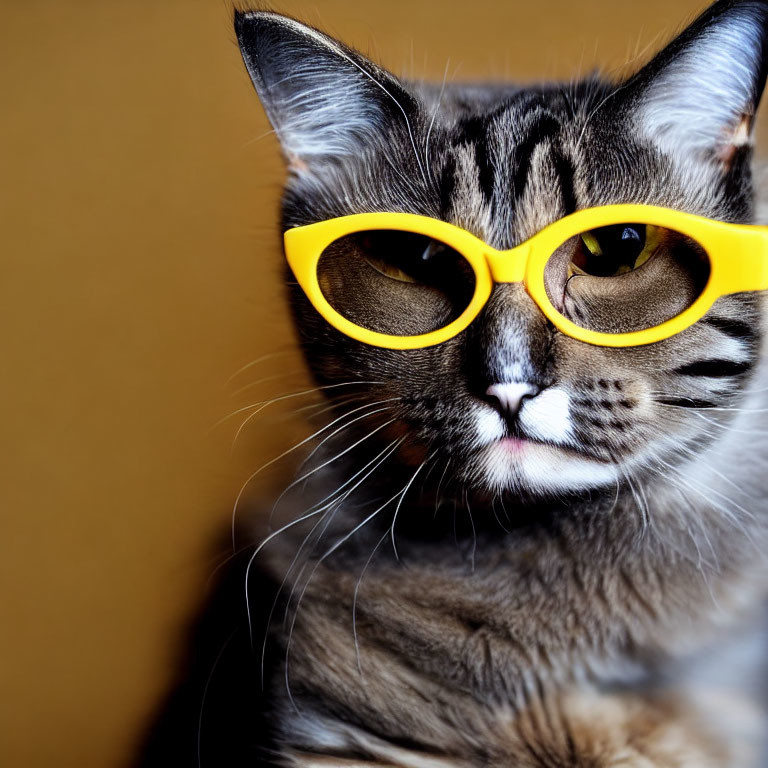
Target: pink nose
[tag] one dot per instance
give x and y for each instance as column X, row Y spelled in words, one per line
column 509, row 397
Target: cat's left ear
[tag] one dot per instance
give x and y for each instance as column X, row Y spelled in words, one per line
column 698, row 97
column 324, row 99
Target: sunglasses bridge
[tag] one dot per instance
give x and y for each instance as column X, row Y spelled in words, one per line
column 508, row 266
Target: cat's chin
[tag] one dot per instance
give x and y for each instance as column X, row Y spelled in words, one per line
column 516, row 464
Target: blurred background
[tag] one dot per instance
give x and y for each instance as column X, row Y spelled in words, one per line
column 140, row 306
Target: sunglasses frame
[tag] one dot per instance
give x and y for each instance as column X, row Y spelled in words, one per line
column 738, row 257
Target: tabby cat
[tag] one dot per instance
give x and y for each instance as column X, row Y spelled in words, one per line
column 530, row 551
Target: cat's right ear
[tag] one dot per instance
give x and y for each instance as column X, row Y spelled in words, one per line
column 323, row 99
column 699, row 95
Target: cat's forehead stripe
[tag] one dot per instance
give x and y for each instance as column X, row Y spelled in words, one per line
column 504, row 142
column 473, row 131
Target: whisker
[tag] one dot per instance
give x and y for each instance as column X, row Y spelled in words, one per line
column 440, row 483
column 370, row 434
column 265, row 379
column 729, row 428
column 707, row 496
column 400, row 501
column 474, row 533
column 227, row 559
column 309, row 456
column 354, row 599
column 324, row 518
column 333, row 503
column 205, row 696
column 393, row 445
column 727, row 513
column 639, row 501
column 700, row 562
column 325, row 406
column 328, row 426
column 258, row 549
column 496, row 514
column 263, row 358
column 306, row 585
column 264, row 403
column 504, row 509
column 327, row 554
column 298, row 445
column 702, row 530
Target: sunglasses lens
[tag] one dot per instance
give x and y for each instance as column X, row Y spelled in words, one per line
column 395, row 282
column 625, row 277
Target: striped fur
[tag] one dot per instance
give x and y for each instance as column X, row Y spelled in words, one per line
column 567, row 605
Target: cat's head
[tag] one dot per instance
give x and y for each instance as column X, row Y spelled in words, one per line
column 513, row 404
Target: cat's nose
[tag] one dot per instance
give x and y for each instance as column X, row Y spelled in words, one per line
column 508, row 398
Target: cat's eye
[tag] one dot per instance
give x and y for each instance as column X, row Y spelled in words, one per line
column 625, row 277
column 614, row 250
column 394, row 281
column 400, row 255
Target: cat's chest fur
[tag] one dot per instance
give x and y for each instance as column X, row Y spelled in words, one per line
column 466, row 650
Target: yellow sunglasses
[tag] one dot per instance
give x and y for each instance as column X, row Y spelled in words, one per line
column 614, row 276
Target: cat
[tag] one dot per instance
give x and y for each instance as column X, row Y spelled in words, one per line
column 588, row 591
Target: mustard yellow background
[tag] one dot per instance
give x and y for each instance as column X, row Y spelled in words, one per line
column 140, row 270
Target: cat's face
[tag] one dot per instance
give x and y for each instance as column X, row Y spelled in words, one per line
column 511, row 404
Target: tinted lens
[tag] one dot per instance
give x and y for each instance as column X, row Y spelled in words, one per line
column 395, row 282
column 626, row 277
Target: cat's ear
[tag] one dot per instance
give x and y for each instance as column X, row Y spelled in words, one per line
column 699, row 95
column 322, row 98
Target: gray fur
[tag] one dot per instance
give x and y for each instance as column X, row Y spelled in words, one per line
column 498, row 612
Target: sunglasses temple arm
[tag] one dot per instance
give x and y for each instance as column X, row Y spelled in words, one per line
column 746, row 268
